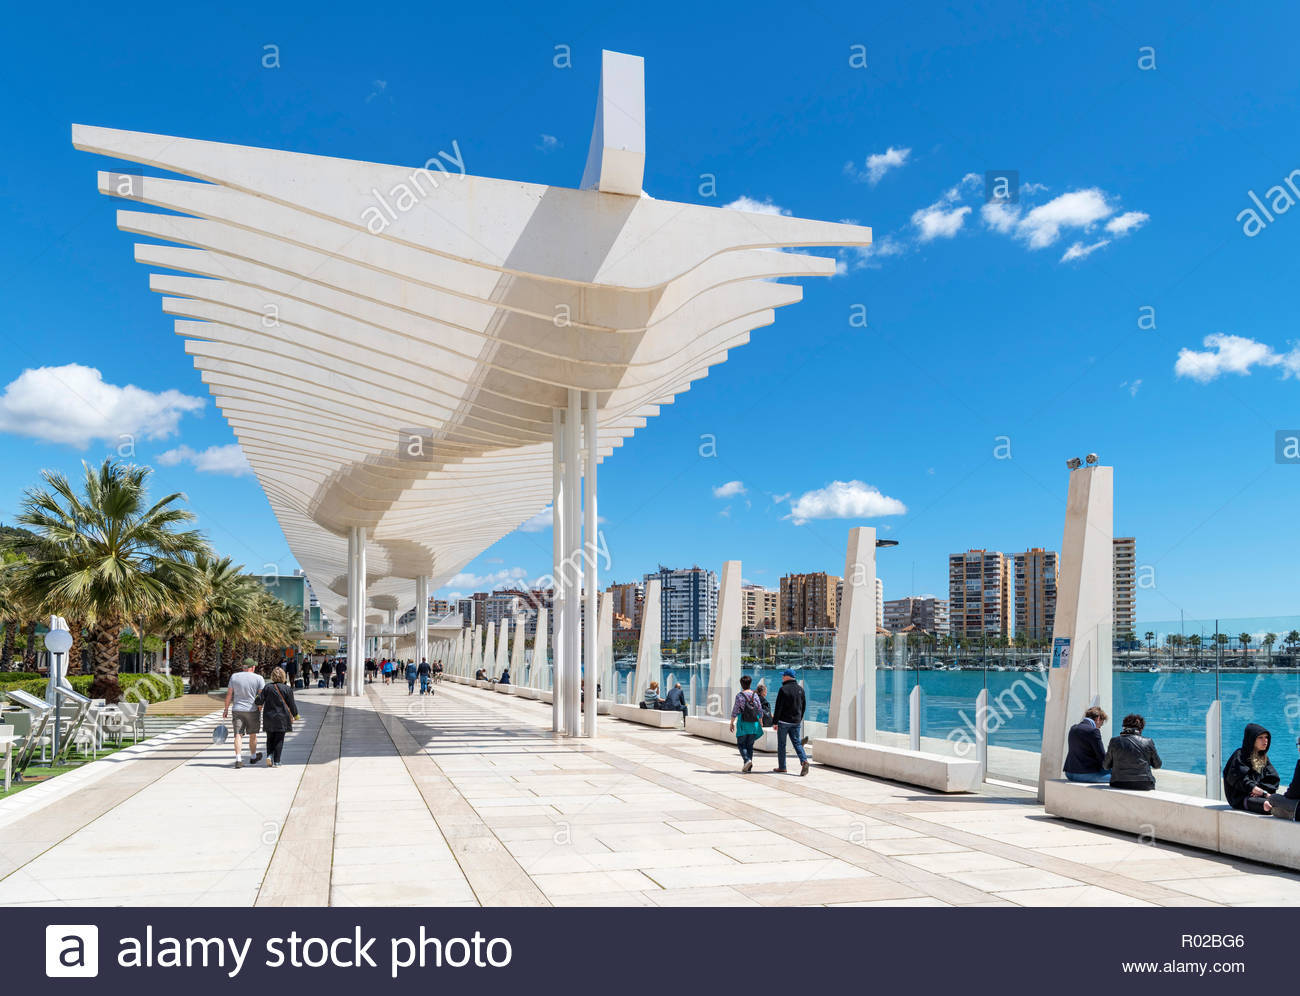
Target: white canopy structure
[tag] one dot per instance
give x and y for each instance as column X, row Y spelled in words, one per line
column 415, row 361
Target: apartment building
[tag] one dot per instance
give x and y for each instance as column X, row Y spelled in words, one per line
column 688, row 602
column 808, row 601
column 925, row 613
column 760, row 607
column 1035, row 593
column 1125, row 595
column 628, row 602
column 979, row 594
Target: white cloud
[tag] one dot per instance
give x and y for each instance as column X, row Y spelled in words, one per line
column 508, row 576
column 1233, row 354
column 549, row 143
column 541, row 521
column 1078, row 209
column 753, row 206
column 1127, row 222
column 729, row 490
column 1000, row 217
column 1079, row 251
column 228, row 459
column 844, row 500
column 726, row 512
column 73, row 404
column 1132, row 386
column 938, row 221
column 878, row 164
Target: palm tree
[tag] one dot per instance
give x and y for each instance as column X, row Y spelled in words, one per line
column 1267, row 643
column 1292, row 639
column 215, row 615
column 108, row 556
column 1150, row 637
column 1244, row 639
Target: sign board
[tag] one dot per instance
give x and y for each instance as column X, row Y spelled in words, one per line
column 1061, row 652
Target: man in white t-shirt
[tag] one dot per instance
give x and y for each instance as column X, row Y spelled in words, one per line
column 241, row 702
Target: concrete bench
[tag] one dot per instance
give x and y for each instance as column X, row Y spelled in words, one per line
column 507, row 689
column 664, row 720
column 1182, row 819
column 712, row 728
column 524, row 692
column 933, row 771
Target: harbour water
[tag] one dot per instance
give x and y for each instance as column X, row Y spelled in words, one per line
column 1174, row 704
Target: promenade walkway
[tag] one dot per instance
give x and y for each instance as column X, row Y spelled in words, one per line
column 465, row 798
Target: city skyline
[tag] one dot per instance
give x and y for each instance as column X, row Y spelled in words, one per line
column 1132, row 341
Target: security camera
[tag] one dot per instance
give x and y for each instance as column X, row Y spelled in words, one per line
column 1074, row 463
column 1091, row 458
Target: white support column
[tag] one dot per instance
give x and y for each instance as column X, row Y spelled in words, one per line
column 573, row 562
column 607, row 677
column 724, row 664
column 537, row 677
column 503, row 646
column 351, row 624
column 476, row 652
column 356, row 667
column 558, row 573
column 1080, row 673
column 982, row 732
column 914, row 718
column 517, row 650
column 421, row 618
column 649, row 660
column 490, row 651
column 853, row 682
column 591, row 655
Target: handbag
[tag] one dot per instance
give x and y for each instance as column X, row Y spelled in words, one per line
column 292, row 717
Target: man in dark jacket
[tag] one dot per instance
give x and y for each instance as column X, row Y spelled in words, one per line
column 675, row 699
column 1083, row 762
column 787, row 714
column 1249, row 776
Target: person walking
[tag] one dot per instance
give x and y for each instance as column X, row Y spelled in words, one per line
column 279, row 711
column 291, row 671
column 341, row 674
column 241, row 706
column 748, row 708
column 412, row 672
column 787, row 714
column 326, row 670
column 425, row 672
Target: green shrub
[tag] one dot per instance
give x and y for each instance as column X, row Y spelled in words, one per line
column 135, row 687
column 8, row 678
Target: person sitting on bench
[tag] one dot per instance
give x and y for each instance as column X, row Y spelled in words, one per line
column 1131, row 756
column 652, row 699
column 1084, row 762
column 1249, row 776
column 675, row 699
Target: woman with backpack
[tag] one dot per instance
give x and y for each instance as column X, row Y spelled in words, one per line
column 278, row 713
column 748, row 709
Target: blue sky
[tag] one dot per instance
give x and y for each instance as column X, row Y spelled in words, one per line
column 981, row 323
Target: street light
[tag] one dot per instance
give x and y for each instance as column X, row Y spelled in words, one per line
column 58, row 642
column 884, row 542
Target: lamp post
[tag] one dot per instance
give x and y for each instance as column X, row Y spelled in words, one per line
column 57, row 642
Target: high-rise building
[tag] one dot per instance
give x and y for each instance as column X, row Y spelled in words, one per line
column 926, row 613
column 628, row 602
column 979, row 594
column 808, row 602
column 688, row 602
column 1125, row 573
column 1035, row 592
column 880, row 600
column 759, row 607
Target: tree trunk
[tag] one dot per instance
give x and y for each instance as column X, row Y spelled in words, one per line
column 7, row 650
column 29, row 651
column 200, row 680
column 105, row 638
column 76, row 665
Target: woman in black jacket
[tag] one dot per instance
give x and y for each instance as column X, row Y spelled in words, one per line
column 1130, row 757
column 1249, row 776
column 278, row 713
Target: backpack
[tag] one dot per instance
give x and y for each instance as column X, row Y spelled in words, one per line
column 751, row 711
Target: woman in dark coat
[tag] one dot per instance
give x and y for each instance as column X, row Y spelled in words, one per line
column 278, row 713
column 1249, row 776
column 1130, row 757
